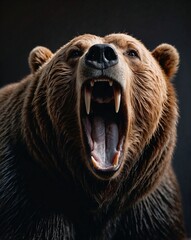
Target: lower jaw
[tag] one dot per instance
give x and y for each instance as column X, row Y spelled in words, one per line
column 104, row 175
column 104, row 172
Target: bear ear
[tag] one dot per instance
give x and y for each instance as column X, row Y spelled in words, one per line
column 37, row 57
column 168, row 58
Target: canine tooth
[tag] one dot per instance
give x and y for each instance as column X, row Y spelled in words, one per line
column 87, row 98
column 110, row 83
column 117, row 97
column 116, row 159
column 94, row 162
column 92, row 83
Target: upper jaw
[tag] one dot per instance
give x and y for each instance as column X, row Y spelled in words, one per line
column 89, row 96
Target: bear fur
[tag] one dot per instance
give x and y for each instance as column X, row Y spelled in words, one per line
column 86, row 142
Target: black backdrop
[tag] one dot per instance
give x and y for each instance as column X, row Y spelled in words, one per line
column 25, row 24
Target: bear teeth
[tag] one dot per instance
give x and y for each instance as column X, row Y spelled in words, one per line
column 92, row 83
column 102, row 80
column 110, row 83
column 100, row 166
column 94, row 162
column 87, row 97
column 88, row 94
column 117, row 97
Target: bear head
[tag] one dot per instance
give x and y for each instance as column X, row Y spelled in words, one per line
column 110, row 111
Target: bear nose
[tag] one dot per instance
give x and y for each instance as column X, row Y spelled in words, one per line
column 101, row 56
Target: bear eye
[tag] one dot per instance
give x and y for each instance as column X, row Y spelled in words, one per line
column 133, row 53
column 75, row 53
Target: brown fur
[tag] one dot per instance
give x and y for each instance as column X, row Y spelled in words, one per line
column 41, row 115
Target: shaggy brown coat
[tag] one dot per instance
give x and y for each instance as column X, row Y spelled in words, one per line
column 49, row 186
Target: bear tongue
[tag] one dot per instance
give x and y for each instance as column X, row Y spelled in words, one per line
column 105, row 136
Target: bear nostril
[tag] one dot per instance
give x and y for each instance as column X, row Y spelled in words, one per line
column 101, row 56
column 109, row 54
column 94, row 54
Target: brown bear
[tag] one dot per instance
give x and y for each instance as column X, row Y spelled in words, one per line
column 86, row 142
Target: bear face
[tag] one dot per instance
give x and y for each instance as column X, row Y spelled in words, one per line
column 109, row 100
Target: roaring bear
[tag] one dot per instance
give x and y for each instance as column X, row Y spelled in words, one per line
column 86, row 142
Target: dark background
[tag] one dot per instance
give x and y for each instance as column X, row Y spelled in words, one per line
column 25, row 24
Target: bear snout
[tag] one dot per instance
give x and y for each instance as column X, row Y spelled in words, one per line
column 101, row 56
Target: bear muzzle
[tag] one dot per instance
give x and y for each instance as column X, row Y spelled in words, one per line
column 104, row 124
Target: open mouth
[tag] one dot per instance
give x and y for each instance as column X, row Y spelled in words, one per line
column 104, row 124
